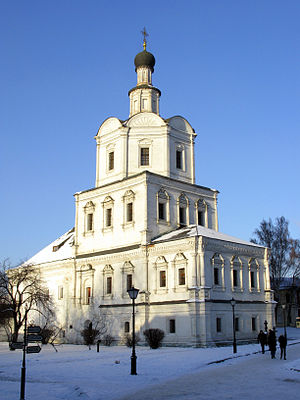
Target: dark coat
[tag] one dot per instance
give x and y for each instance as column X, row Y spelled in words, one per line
column 272, row 340
column 262, row 338
column 282, row 341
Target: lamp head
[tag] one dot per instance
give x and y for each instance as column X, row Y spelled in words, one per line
column 133, row 293
column 233, row 302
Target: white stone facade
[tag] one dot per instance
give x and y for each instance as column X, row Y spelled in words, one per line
column 146, row 223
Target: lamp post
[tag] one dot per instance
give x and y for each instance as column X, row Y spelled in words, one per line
column 233, row 303
column 283, row 306
column 133, row 293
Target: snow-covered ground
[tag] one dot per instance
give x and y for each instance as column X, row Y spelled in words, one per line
column 78, row 373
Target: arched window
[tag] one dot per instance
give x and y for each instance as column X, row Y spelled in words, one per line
column 180, row 271
column 182, row 210
column 108, row 208
column 253, row 275
column 127, row 327
column 161, row 268
column 128, row 209
column 127, row 271
column 108, row 273
column 236, row 273
column 217, row 262
column 201, row 213
column 163, row 206
column 89, row 210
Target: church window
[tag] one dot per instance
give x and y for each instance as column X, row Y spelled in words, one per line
column 181, row 276
column 162, row 279
column 236, row 273
column 127, row 278
column 201, row 209
column 218, row 325
column 253, row 275
column 129, row 213
column 127, row 327
column 182, row 216
column 107, row 205
column 111, row 160
column 163, row 201
column 252, row 279
column 89, row 210
column 161, row 211
column 108, row 219
column 129, row 281
column 128, row 209
column 180, row 272
column 235, row 277
column 182, row 210
column 108, row 273
column 179, row 159
column 109, row 285
column 161, row 267
column 172, row 326
column 144, row 156
column 60, row 292
column 88, row 295
column 89, row 223
column 218, row 272
column 216, row 276
column 253, row 324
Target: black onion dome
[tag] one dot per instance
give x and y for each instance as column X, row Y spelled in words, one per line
column 144, row 59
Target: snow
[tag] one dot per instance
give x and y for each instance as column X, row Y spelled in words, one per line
column 77, row 373
column 61, row 249
column 198, row 230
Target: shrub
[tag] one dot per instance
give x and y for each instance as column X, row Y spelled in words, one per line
column 127, row 339
column 89, row 335
column 107, row 340
column 154, row 337
column 46, row 334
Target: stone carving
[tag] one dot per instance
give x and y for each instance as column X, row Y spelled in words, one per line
column 146, row 119
column 110, row 125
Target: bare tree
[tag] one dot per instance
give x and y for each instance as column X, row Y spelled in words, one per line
column 277, row 237
column 22, row 291
column 96, row 324
column 294, row 258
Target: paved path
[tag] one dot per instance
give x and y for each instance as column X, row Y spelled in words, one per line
column 253, row 377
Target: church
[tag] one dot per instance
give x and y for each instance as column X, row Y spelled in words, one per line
column 147, row 224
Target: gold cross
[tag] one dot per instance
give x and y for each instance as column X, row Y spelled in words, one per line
column 145, row 34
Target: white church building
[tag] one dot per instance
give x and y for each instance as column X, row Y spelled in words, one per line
column 147, row 224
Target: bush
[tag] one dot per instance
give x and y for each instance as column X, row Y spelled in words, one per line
column 89, row 335
column 46, row 334
column 107, row 340
column 127, row 339
column 154, row 337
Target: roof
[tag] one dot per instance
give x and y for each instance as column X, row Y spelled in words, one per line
column 61, row 249
column 198, row 230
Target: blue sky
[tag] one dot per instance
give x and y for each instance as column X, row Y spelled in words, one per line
column 230, row 67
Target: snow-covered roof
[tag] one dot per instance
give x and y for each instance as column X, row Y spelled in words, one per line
column 61, row 249
column 198, row 230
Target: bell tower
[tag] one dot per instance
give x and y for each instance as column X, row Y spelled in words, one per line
column 144, row 97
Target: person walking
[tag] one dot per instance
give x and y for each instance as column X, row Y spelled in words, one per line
column 262, row 339
column 272, row 343
column 282, row 343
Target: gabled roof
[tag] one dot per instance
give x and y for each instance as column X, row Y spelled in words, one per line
column 61, row 249
column 198, row 230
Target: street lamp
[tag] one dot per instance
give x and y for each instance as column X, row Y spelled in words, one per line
column 283, row 306
column 233, row 303
column 133, row 293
